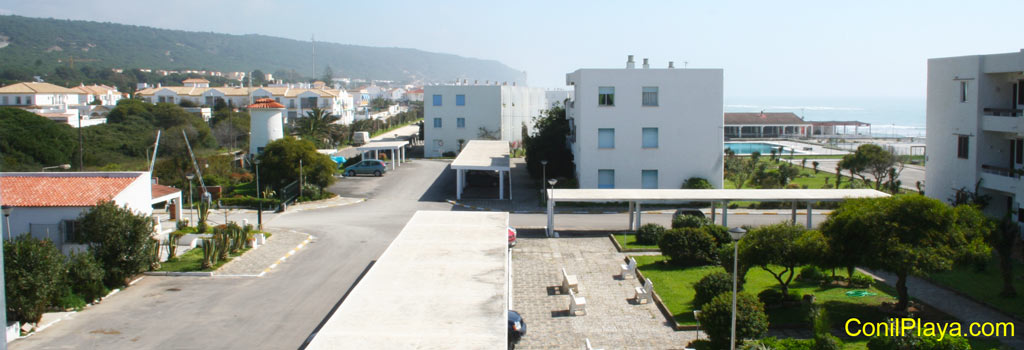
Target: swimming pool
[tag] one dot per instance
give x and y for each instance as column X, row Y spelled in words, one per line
column 748, row 148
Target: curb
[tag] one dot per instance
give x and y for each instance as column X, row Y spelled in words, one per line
column 623, row 250
column 662, row 307
column 301, row 208
column 283, row 258
column 172, row 273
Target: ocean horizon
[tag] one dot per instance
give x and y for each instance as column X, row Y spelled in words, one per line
column 888, row 116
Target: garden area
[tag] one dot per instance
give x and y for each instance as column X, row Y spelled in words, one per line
column 795, row 278
column 225, row 243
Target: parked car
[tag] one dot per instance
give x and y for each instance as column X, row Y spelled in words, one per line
column 360, row 138
column 690, row 212
column 511, row 237
column 516, row 329
column 370, row 166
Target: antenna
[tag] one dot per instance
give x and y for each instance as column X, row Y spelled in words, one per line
column 155, row 146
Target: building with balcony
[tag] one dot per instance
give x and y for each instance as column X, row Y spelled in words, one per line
column 646, row 127
column 976, row 130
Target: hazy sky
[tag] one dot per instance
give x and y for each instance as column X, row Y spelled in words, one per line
column 799, row 49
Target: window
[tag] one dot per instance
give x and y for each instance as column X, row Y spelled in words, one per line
column 963, row 91
column 648, row 179
column 1019, row 151
column 307, row 102
column 650, row 137
column 460, row 100
column 437, row 122
column 650, row 96
column 28, row 100
column 5, row 100
column 606, row 96
column 605, row 138
column 605, row 178
column 962, row 143
column 460, row 123
column 437, row 100
column 70, row 228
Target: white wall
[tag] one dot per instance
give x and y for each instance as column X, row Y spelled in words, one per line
column 266, row 125
column 689, row 118
column 501, row 110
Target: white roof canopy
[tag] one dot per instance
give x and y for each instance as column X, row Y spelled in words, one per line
column 483, row 155
column 381, row 145
column 711, row 195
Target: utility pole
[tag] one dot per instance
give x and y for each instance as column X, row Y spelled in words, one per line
column 3, row 292
column 313, row 39
column 81, row 149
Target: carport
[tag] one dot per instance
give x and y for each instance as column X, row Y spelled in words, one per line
column 718, row 197
column 397, row 149
column 482, row 155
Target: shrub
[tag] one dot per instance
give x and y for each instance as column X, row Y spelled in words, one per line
column 912, row 342
column 684, row 221
column 710, row 287
column 719, row 232
column 120, row 241
column 688, row 247
column 69, row 300
column 827, row 342
column 716, row 318
column 862, row 281
column 85, row 276
column 725, row 253
column 649, row 233
column 250, row 202
column 448, row 154
column 34, row 272
column 770, row 297
column 779, row 344
column 697, row 183
column 811, row 274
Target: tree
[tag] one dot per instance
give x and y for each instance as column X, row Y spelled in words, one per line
column 328, row 75
column 34, row 276
column 689, row 246
column 317, row 126
column 905, row 234
column 119, row 239
column 716, row 319
column 548, row 142
column 784, row 245
column 259, row 78
column 280, row 163
column 738, row 169
column 815, row 164
column 1003, row 240
column 28, row 142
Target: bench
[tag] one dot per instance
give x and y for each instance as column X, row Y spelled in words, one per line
column 627, row 270
column 576, row 304
column 569, row 282
column 589, row 347
column 643, row 293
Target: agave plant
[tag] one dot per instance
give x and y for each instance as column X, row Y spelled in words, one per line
column 209, row 253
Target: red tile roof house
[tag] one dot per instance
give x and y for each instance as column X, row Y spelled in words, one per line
column 47, row 204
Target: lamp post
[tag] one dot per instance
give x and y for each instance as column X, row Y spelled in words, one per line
column 259, row 213
column 736, row 233
column 552, row 182
column 7, row 217
column 544, row 178
column 62, row 166
column 191, row 209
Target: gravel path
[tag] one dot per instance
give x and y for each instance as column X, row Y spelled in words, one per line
column 256, row 261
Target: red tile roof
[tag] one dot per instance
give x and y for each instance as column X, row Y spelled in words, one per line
column 37, row 190
column 785, row 118
column 161, row 190
column 265, row 103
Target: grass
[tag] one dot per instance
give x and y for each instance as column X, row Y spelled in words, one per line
column 628, row 241
column 986, row 285
column 192, row 260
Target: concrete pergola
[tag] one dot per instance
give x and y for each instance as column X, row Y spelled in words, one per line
column 482, row 155
column 397, row 148
column 638, row 197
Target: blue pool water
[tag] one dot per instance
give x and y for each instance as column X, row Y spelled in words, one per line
column 748, row 148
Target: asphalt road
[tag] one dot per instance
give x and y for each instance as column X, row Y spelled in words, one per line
column 281, row 309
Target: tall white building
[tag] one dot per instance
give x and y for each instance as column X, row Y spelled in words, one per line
column 477, row 112
column 646, row 127
column 976, row 129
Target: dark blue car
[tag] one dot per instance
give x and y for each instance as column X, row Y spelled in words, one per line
column 516, row 328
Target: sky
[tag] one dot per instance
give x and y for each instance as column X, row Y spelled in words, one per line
column 766, row 48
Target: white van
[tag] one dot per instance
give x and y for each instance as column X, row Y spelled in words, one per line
column 360, row 138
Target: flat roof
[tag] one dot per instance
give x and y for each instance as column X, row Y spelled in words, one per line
column 441, row 284
column 379, row 145
column 483, row 155
column 666, row 195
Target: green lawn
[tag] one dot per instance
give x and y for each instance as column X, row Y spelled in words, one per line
column 986, row 285
column 628, row 241
column 675, row 286
column 192, row 260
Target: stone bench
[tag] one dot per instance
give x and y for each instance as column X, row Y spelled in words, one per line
column 576, row 304
column 569, row 282
column 627, row 270
column 643, row 293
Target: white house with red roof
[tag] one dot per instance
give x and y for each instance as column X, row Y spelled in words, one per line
column 47, row 205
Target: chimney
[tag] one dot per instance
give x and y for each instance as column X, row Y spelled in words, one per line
column 646, row 65
column 629, row 63
column 671, row 65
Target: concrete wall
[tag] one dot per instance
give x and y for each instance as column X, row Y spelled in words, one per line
column 689, row 118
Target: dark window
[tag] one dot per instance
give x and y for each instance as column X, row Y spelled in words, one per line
column 962, row 146
column 606, row 96
column 70, row 230
column 1020, row 214
column 1019, row 151
column 963, row 91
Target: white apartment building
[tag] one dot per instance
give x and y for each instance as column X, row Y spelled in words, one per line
column 297, row 99
column 38, row 95
column 107, row 95
column 975, row 129
column 477, row 112
column 647, row 127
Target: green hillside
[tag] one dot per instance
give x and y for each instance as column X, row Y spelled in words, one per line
column 41, row 45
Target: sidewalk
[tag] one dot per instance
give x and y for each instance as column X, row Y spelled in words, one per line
column 966, row 310
column 260, row 260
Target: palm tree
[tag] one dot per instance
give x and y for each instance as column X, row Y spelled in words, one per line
column 317, row 125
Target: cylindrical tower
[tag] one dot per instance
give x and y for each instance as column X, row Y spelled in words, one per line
column 265, row 124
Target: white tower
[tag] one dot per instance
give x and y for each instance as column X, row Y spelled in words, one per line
column 265, row 124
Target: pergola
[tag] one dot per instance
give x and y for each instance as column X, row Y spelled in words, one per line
column 482, row 155
column 638, row 197
column 397, row 149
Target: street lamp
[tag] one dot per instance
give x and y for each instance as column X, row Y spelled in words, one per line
column 62, row 166
column 7, row 216
column 736, row 233
column 544, row 171
column 191, row 209
column 259, row 213
column 552, row 182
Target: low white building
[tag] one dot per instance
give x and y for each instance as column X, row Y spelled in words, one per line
column 454, row 113
column 297, row 98
column 975, row 130
column 414, row 95
column 38, row 95
column 106, row 95
column 646, row 127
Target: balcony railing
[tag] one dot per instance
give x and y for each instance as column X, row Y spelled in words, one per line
column 1003, row 112
column 991, row 169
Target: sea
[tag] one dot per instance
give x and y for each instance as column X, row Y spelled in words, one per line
column 888, row 116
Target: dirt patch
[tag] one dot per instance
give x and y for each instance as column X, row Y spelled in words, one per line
column 106, row 331
column 173, row 289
